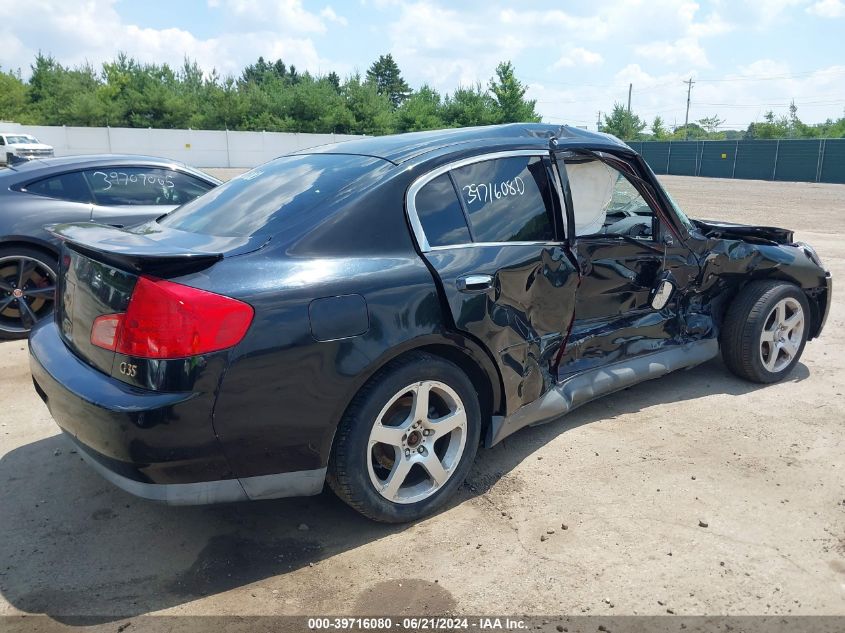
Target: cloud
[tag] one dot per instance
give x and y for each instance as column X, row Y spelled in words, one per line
column 94, row 32
column 549, row 23
column 739, row 97
column 577, row 57
column 710, row 26
column 449, row 45
column 764, row 14
column 329, row 14
column 828, row 9
column 684, row 50
column 446, row 45
column 287, row 15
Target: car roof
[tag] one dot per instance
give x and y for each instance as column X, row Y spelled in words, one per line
column 52, row 165
column 399, row 148
column 90, row 159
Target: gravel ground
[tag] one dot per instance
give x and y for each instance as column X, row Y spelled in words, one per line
column 694, row 494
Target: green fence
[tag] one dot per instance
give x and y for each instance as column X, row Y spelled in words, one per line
column 815, row 160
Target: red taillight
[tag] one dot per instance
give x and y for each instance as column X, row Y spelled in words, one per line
column 168, row 320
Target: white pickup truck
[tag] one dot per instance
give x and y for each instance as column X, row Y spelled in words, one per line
column 23, row 146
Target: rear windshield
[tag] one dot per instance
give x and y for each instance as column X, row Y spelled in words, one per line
column 260, row 200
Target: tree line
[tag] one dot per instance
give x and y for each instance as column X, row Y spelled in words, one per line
column 630, row 127
column 275, row 96
column 268, row 95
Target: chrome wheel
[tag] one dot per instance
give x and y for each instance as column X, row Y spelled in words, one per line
column 417, row 442
column 27, row 292
column 782, row 335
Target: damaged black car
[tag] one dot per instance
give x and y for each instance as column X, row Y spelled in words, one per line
column 367, row 314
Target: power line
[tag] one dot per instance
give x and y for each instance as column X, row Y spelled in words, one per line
column 772, row 104
column 809, row 102
column 603, row 99
column 617, row 85
column 820, row 71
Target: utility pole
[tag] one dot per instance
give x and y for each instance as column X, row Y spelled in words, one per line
column 689, row 83
column 630, row 87
column 598, row 121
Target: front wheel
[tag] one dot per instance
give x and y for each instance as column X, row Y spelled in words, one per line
column 407, row 441
column 27, row 289
column 765, row 330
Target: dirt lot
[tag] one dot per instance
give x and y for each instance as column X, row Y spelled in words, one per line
column 631, row 476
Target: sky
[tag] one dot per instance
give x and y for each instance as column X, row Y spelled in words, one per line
column 577, row 57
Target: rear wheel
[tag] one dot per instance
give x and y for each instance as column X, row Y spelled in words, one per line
column 27, row 289
column 407, row 441
column 765, row 331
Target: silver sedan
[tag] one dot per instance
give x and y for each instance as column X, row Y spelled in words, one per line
column 121, row 190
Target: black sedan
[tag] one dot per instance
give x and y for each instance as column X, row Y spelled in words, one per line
column 369, row 313
column 113, row 189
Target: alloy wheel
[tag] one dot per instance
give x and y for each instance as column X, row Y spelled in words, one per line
column 782, row 335
column 417, row 442
column 27, row 292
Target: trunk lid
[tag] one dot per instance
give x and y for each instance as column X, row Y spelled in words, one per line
column 100, row 266
column 87, row 289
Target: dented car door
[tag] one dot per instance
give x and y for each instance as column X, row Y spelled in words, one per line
column 635, row 272
column 491, row 228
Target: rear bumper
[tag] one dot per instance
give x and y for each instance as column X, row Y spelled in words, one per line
column 159, row 446
column 296, row 484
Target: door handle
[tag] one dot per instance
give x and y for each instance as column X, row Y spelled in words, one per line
column 474, row 283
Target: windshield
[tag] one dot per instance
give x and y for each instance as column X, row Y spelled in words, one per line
column 20, row 139
column 264, row 199
column 679, row 212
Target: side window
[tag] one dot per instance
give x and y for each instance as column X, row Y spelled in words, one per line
column 186, row 188
column 605, row 202
column 70, row 186
column 440, row 214
column 128, row 186
column 507, row 199
column 2, row 141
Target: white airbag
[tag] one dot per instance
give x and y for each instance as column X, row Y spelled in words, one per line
column 592, row 187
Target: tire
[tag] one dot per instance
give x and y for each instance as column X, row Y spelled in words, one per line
column 765, row 330
column 39, row 269
column 362, row 468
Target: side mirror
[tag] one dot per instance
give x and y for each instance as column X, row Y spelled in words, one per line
column 661, row 295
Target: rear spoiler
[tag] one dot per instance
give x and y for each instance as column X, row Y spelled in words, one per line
column 135, row 251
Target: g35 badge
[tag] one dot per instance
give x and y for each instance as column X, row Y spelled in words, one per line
column 128, row 369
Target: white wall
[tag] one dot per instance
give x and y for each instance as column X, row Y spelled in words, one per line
column 199, row 148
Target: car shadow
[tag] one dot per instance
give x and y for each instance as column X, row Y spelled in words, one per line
column 82, row 551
